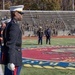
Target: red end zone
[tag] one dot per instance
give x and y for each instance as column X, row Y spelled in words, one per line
column 55, row 54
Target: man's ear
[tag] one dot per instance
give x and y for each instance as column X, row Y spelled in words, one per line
column 12, row 13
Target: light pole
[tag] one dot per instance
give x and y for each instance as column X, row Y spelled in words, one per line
column 3, row 4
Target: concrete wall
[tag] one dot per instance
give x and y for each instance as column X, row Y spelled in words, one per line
column 65, row 33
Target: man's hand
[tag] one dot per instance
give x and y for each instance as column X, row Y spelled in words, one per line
column 11, row 66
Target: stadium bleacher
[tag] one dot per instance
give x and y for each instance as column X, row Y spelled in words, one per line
column 58, row 20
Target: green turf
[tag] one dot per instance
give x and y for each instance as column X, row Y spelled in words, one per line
column 38, row 71
column 54, row 42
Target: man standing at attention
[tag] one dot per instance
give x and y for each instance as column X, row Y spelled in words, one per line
column 12, row 42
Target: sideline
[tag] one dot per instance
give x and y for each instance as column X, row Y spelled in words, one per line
column 1, row 72
column 35, row 37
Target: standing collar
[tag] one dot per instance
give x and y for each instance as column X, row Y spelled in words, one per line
column 14, row 20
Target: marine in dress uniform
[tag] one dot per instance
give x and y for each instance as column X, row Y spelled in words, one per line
column 12, row 42
column 3, row 25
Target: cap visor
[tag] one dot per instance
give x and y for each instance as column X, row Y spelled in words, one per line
column 21, row 12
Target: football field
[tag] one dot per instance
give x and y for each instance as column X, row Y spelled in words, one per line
column 55, row 41
column 31, row 43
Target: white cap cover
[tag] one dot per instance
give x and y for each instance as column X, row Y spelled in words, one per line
column 17, row 8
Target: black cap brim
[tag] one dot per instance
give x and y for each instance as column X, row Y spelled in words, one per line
column 21, row 12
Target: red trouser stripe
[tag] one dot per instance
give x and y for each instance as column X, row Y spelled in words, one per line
column 15, row 71
column 2, row 58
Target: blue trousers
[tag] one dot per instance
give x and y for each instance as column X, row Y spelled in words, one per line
column 40, row 40
column 9, row 72
column 48, row 39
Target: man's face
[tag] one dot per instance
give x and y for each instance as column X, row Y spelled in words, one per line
column 18, row 16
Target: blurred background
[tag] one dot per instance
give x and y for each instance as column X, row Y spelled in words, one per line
column 39, row 4
column 59, row 15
